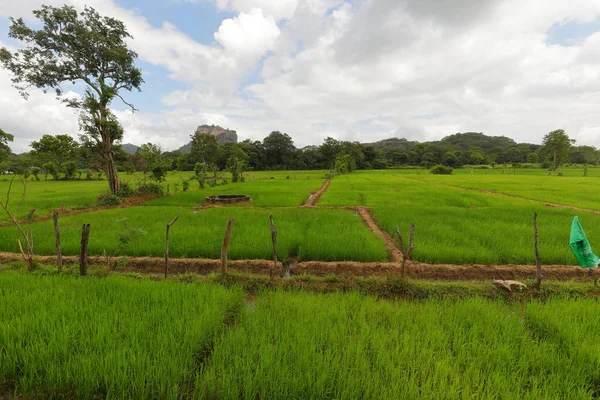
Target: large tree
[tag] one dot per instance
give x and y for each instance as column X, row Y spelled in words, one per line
column 205, row 149
column 279, row 150
column 558, row 145
column 57, row 149
column 83, row 47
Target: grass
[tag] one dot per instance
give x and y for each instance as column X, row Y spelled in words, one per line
column 312, row 234
column 570, row 190
column 296, row 345
column 70, row 337
column 264, row 192
column 459, row 227
column 63, row 337
column 46, row 195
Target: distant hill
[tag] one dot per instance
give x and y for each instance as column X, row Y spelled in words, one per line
column 186, row 148
column 476, row 139
column 129, row 148
column 221, row 134
column 393, row 145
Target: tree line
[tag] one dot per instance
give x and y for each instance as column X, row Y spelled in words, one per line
column 62, row 157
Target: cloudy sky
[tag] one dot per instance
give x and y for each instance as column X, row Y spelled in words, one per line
column 356, row 70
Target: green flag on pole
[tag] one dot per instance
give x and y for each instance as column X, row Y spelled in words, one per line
column 581, row 246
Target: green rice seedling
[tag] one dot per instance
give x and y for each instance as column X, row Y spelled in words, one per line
column 296, row 345
column 65, row 337
column 314, row 234
column 264, row 192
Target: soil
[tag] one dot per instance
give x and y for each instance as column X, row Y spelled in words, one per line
column 394, row 253
column 314, row 198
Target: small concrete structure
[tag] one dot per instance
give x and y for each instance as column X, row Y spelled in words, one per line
column 227, row 198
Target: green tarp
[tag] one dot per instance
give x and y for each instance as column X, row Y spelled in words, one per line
column 581, row 246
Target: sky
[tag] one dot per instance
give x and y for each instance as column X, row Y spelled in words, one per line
column 361, row 70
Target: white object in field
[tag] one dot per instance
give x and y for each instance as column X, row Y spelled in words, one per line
column 509, row 285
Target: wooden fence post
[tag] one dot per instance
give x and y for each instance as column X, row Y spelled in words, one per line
column 225, row 245
column 406, row 252
column 83, row 257
column 59, row 262
column 538, row 262
column 274, row 240
column 167, row 245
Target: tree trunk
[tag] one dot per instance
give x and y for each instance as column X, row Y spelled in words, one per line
column 110, row 169
column 555, row 160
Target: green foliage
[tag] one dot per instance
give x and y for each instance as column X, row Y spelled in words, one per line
column 279, row 150
column 185, row 185
column 76, row 46
column 149, row 155
column 70, row 169
column 342, row 165
column 205, row 149
column 125, row 190
column 35, row 172
column 107, row 199
column 51, row 169
column 441, row 170
column 57, row 149
column 149, row 188
column 532, row 158
column 449, row 159
column 237, row 164
column 4, row 139
column 158, row 172
column 557, row 145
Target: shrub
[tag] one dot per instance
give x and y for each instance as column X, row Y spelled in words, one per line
column 185, row 185
column 148, row 188
column 441, row 170
column 124, row 190
column 106, row 199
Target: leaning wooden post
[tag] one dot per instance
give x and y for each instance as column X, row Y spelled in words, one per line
column 59, row 263
column 83, row 257
column 406, row 252
column 226, row 245
column 538, row 262
column 274, row 240
column 167, row 245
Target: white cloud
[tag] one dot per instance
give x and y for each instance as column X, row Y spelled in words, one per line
column 248, row 36
column 368, row 70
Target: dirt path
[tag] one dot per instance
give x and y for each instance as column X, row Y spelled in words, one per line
column 393, row 251
column 415, row 270
column 312, row 200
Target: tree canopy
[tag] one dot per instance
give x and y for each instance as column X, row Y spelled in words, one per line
column 72, row 47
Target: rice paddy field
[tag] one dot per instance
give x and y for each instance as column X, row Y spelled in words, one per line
column 481, row 216
column 88, row 337
column 459, row 226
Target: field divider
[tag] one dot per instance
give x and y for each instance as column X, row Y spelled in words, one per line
column 511, row 196
column 394, row 252
column 416, row 270
column 314, row 198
